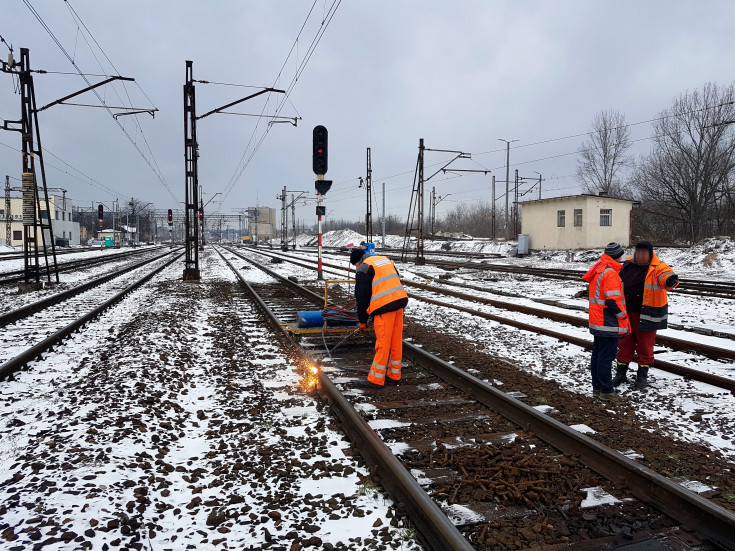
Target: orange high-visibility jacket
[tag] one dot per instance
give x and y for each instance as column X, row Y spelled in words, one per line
column 607, row 315
column 385, row 286
column 655, row 310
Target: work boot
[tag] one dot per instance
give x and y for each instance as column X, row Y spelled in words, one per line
column 613, row 397
column 641, row 379
column 620, row 371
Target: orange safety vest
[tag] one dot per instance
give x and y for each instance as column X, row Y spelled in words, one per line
column 386, row 283
column 655, row 309
column 605, row 285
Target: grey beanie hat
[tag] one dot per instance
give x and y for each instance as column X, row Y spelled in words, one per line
column 614, row 250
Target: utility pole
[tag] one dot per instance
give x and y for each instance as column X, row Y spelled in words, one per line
column 284, row 225
column 383, row 215
column 8, row 218
column 515, row 208
column 369, row 205
column 191, row 154
column 492, row 231
column 33, row 216
column 507, row 185
column 293, row 220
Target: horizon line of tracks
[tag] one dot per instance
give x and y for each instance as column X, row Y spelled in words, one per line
column 706, row 518
column 35, row 351
column 714, row 352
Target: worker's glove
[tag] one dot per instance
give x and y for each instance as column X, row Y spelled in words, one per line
column 672, row 280
column 362, row 326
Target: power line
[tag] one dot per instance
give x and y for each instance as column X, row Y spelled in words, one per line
column 158, row 173
column 91, row 181
column 299, row 71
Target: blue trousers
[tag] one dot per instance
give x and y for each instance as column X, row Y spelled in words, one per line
column 603, row 354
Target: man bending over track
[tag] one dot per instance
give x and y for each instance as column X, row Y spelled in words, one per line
column 379, row 294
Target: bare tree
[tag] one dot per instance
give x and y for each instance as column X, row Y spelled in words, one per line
column 604, row 154
column 687, row 176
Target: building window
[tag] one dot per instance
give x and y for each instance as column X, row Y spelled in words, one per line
column 577, row 217
column 57, row 215
column 63, row 215
column 605, row 217
column 2, row 213
column 17, row 235
column 560, row 218
column 44, row 214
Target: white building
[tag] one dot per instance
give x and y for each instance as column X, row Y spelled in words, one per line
column 263, row 225
column 577, row 221
column 63, row 226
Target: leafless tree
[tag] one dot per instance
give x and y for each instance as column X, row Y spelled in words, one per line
column 687, row 177
column 604, row 154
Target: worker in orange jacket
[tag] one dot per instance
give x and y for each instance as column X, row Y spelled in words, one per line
column 646, row 281
column 380, row 294
column 608, row 319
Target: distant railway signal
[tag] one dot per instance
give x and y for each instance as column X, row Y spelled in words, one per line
column 100, row 212
column 319, row 150
column 170, row 216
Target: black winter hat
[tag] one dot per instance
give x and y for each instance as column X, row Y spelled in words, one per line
column 614, row 250
column 356, row 255
column 645, row 245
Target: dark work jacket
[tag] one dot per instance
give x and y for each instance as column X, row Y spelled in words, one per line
column 633, row 277
column 364, row 291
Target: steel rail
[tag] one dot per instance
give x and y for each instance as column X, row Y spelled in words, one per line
column 714, row 380
column 436, row 530
column 38, row 349
column 706, row 518
column 17, row 275
column 710, row 351
column 701, row 515
column 724, row 289
column 37, row 306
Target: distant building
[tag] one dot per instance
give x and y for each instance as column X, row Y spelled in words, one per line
column 262, row 226
column 577, row 221
column 64, row 228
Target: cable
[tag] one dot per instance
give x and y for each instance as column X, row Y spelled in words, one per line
column 92, row 182
column 158, row 174
column 299, row 71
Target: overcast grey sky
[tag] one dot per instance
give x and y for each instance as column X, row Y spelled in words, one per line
column 460, row 74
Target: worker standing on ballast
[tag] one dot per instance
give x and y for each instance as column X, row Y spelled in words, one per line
column 380, row 294
column 646, row 280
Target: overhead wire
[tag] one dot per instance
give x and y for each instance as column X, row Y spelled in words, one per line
column 90, row 181
column 299, row 71
column 156, row 170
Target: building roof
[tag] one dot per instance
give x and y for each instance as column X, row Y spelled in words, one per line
column 587, row 195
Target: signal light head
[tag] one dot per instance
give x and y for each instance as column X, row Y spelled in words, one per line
column 319, row 150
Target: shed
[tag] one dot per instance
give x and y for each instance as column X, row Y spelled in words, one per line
column 577, row 221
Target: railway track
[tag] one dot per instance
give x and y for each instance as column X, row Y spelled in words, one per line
column 488, row 461
column 16, row 276
column 723, row 289
column 711, row 351
column 34, row 330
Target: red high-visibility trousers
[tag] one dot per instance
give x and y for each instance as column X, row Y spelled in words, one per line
column 388, row 347
column 638, row 341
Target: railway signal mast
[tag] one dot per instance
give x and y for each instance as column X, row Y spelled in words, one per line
column 319, row 166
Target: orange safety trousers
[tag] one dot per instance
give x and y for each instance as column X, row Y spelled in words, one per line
column 388, row 347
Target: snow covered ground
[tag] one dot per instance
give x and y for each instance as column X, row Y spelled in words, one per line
column 689, row 410
column 177, row 421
